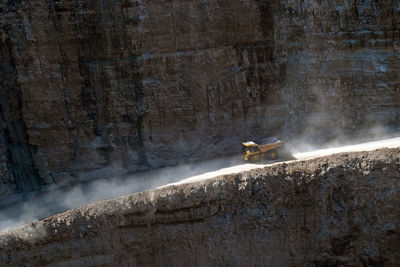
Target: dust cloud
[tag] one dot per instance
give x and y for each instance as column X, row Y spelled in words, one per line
column 58, row 200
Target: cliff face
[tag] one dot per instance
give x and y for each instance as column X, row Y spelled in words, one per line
column 92, row 88
column 341, row 210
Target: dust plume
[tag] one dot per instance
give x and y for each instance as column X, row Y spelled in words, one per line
column 57, row 200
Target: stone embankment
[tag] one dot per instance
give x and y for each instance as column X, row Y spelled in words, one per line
column 341, row 209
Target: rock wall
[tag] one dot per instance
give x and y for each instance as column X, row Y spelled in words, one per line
column 99, row 88
column 340, row 210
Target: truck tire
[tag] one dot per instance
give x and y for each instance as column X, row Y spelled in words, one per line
column 255, row 158
column 273, row 154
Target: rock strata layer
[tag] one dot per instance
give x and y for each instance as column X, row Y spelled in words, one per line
column 100, row 88
column 339, row 210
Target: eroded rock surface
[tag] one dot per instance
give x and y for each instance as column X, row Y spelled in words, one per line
column 340, row 210
column 96, row 88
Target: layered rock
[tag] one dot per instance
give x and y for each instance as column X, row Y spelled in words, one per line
column 99, row 88
column 339, row 210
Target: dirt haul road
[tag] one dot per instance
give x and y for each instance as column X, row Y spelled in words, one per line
column 368, row 146
column 44, row 205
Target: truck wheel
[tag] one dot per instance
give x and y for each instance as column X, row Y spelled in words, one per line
column 255, row 158
column 273, row 154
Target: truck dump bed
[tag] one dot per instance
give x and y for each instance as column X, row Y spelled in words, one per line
column 268, row 147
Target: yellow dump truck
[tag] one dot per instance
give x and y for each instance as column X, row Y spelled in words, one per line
column 254, row 152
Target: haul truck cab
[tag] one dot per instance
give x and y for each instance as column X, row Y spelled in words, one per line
column 254, row 152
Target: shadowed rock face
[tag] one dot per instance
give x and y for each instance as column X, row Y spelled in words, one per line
column 96, row 88
column 332, row 211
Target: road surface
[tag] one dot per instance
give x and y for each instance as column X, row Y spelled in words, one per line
column 56, row 201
